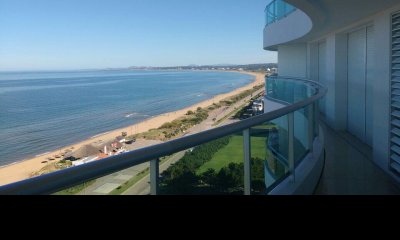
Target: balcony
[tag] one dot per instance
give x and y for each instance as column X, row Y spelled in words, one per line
column 277, row 10
column 350, row 169
column 314, row 19
column 278, row 152
column 284, row 23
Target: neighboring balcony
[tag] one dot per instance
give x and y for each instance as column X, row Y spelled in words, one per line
column 284, row 23
column 277, row 10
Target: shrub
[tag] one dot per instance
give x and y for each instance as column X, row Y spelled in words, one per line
column 167, row 125
column 176, row 123
column 227, row 102
column 190, row 112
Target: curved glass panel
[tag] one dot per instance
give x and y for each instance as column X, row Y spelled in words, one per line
column 277, row 10
column 288, row 91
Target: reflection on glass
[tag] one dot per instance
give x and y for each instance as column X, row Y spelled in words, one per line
column 270, row 144
column 301, row 131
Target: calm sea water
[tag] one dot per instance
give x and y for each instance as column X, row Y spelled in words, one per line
column 43, row 111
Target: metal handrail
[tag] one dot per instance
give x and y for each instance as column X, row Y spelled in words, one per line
column 56, row 181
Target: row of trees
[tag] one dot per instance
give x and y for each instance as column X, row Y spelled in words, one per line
column 230, row 179
column 194, row 159
column 181, row 178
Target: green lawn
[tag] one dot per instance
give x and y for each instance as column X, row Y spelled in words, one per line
column 233, row 152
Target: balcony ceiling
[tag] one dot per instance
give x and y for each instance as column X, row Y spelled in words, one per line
column 331, row 15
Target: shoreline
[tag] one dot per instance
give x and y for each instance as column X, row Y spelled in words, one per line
column 23, row 169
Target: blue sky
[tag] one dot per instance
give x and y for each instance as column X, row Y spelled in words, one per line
column 82, row 34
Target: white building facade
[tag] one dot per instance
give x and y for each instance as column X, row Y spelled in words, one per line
column 353, row 48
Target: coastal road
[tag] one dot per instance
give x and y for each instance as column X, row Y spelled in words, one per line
column 219, row 114
column 143, row 187
column 224, row 111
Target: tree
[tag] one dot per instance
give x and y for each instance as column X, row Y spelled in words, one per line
column 209, row 177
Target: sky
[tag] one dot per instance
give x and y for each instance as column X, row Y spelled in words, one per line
column 93, row 34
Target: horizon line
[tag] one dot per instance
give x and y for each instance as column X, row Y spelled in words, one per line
column 127, row 68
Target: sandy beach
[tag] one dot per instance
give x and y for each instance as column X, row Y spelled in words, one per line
column 23, row 170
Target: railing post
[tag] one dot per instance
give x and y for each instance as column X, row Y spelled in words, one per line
column 316, row 117
column 311, row 125
column 247, row 162
column 291, row 145
column 154, row 172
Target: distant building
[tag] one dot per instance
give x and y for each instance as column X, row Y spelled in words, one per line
column 85, row 160
column 120, row 139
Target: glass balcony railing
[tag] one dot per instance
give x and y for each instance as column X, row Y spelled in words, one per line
column 277, row 10
column 250, row 156
column 288, row 90
column 292, row 136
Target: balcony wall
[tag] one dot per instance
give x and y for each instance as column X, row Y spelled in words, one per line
column 293, row 60
column 314, row 19
column 292, row 27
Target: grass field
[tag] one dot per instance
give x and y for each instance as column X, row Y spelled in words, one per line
column 233, row 152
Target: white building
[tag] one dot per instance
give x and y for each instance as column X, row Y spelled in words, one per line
column 353, row 48
column 85, row 160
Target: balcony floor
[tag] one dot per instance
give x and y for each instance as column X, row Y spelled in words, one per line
column 349, row 169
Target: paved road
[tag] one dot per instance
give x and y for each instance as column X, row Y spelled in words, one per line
column 219, row 114
column 143, row 187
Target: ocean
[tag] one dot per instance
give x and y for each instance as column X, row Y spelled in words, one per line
column 44, row 111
